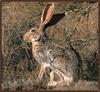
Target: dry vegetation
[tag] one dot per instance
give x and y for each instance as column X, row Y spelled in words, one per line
column 19, row 67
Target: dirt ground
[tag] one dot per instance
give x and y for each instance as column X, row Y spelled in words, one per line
column 20, row 70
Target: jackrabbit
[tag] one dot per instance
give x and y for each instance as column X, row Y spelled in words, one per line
column 62, row 61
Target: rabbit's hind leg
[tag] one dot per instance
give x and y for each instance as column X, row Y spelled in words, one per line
column 64, row 79
column 61, row 77
column 53, row 83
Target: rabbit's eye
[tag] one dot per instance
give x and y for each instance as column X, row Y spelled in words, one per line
column 32, row 30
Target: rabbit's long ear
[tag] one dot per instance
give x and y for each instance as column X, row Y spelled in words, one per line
column 47, row 13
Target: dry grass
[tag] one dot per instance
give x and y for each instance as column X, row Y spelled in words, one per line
column 20, row 70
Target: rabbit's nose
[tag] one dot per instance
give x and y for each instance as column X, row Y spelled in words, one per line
column 24, row 38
